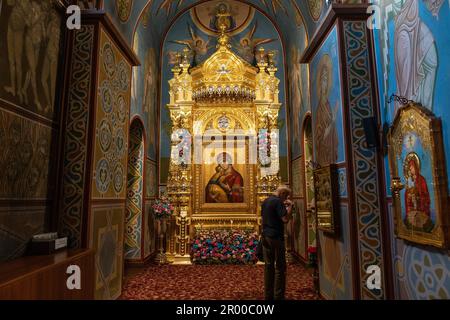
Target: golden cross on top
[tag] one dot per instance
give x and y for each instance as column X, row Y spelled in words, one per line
column 185, row 55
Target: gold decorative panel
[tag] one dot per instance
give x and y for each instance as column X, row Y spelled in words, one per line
column 326, row 195
column 112, row 118
column 107, row 227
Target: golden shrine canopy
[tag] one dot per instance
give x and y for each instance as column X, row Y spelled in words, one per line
column 224, row 76
column 224, row 149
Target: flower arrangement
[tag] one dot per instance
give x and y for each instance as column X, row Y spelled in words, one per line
column 162, row 209
column 224, row 247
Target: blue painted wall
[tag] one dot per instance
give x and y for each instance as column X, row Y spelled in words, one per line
column 335, row 262
column 328, row 52
column 420, row 272
column 335, row 253
column 144, row 91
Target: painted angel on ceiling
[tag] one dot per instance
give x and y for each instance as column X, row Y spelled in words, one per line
column 198, row 45
column 248, row 43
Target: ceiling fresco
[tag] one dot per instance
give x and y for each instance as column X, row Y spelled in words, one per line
column 161, row 14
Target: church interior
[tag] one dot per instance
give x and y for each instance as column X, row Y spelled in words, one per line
column 140, row 138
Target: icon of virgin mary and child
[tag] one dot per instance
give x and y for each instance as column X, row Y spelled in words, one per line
column 226, row 185
column 417, row 196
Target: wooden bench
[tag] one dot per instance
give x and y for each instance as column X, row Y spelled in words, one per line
column 45, row 277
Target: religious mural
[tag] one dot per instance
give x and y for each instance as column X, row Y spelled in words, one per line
column 248, row 44
column 209, row 15
column 198, row 46
column 335, row 262
column 413, row 50
column 326, row 103
column 32, row 32
column 144, row 88
column 30, row 36
column 205, row 20
column 304, row 14
column 150, row 99
column 415, row 55
column 411, row 39
column 298, row 97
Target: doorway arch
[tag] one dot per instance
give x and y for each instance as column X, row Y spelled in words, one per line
column 134, row 218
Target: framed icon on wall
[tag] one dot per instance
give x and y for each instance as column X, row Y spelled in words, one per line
column 326, row 196
column 419, row 177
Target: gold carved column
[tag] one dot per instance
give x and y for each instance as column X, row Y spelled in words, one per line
column 179, row 187
column 267, row 107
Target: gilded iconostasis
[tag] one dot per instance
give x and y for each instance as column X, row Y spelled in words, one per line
column 196, row 29
column 324, row 98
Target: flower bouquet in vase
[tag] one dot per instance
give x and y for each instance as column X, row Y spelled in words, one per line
column 162, row 211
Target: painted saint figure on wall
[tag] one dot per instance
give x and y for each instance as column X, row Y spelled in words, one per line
column 295, row 78
column 15, row 38
column 149, row 102
column 416, row 59
column 417, row 196
column 226, row 185
column 325, row 134
column 222, row 17
column 33, row 32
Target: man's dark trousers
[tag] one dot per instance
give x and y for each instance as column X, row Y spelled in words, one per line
column 275, row 269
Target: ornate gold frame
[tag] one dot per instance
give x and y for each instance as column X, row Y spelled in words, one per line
column 327, row 219
column 414, row 118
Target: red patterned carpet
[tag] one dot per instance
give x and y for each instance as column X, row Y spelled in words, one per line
column 197, row 282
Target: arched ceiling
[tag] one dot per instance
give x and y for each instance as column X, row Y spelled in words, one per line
column 161, row 14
